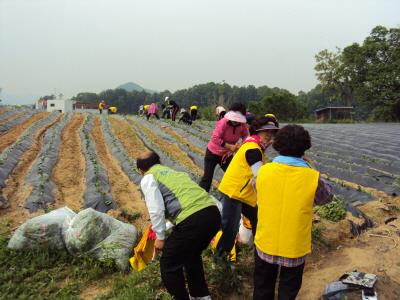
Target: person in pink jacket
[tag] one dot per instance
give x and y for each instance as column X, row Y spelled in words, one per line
column 224, row 142
column 153, row 111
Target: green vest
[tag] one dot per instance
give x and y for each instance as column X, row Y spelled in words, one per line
column 182, row 196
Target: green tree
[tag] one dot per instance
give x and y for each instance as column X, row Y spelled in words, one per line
column 283, row 104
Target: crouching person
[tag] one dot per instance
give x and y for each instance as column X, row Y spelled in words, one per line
column 287, row 189
column 174, row 196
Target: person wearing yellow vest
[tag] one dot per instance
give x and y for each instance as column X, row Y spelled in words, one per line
column 193, row 112
column 112, row 110
column 287, row 189
column 102, row 105
column 237, row 189
column 146, row 109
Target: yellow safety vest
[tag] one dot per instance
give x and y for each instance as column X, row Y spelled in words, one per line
column 101, row 105
column 193, row 107
column 237, row 180
column 285, row 197
column 113, row 109
column 146, row 107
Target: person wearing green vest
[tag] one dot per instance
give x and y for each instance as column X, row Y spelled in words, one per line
column 287, row 189
column 238, row 195
column 175, row 196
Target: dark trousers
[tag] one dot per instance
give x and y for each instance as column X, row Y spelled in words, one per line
column 101, row 111
column 211, row 160
column 166, row 114
column 193, row 114
column 231, row 213
column 265, row 276
column 182, row 252
column 175, row 110
column 149, row 115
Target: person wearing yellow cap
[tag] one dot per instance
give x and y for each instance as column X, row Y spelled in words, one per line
column 193, row 112
column 146, row 109
column 271, row 116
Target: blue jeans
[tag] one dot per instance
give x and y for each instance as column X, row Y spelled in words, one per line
column 230, row 222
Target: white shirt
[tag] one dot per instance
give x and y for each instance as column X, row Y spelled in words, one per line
column 155, row 205
column 219, row 109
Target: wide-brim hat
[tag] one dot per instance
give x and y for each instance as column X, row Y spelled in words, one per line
column 235, row 116
column 268, row 126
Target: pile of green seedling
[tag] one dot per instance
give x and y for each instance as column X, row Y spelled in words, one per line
column 333, row 211
column 93, row 159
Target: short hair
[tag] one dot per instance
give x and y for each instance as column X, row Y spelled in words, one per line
column 147, row 162
column 292, row 140
column 240, row 107
column 258, row 123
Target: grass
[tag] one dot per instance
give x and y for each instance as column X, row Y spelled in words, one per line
column 333, row 211
column 44, row 274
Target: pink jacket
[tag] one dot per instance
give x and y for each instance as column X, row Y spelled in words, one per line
column 153, row 109
column 225, row 133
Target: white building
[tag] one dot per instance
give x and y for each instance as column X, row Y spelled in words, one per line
column 62, row 106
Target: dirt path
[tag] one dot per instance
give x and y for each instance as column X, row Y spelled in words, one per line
column 16, row 192
column 69, row 172
column 125, row 133
column 375, row 251
column 14, row 133
column 124, row 192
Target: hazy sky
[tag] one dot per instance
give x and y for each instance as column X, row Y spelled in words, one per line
column 91, row 45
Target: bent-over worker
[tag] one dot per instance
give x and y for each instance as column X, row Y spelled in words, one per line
column 175, row 196
column 237, row 185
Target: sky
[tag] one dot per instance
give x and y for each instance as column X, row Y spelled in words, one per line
column 72, row 46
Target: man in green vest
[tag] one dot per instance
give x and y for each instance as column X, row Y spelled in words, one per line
column 175, row 196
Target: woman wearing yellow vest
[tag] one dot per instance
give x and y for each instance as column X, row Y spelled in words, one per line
column 287, row 189
column 237, row 189
column 193, row 112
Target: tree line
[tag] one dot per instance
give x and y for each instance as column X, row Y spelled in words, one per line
column 365, row 76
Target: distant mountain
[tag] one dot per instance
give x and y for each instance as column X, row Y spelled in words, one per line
column 131, row 86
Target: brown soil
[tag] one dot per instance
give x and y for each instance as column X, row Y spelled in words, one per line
column 69, row 172
column 14, row 133
column 173, row 150
column 128, row 137
column 124, row 192
column 183, row 140
column 16, row 192
column 374, row 251
column 97, row 288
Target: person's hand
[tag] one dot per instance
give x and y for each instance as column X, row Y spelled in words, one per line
column 307, row 159
column 158, row 246
column 237, row 146
column 230, row 147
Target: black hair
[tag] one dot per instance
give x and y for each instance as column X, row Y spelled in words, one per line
column 258, row 123
column 240, row 107
column 292, row 140
column 145, row 164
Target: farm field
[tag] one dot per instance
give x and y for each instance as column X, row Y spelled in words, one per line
column 52, row 160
